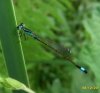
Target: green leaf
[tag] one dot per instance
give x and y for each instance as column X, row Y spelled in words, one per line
column 14, row 85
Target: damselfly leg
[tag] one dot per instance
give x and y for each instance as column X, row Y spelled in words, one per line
column 21, row 33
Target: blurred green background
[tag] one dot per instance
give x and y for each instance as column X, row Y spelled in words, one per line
column 74, row 24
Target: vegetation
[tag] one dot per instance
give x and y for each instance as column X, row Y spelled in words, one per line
column 70, row 24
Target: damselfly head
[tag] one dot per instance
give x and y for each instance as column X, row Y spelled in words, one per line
column 19, row 27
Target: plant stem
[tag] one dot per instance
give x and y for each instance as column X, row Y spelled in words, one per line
column 11, row 45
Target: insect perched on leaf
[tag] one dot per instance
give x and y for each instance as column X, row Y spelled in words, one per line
column 30, row 33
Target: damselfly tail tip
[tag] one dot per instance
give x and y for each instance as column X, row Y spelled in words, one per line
column 83, row 70
column 20, row 26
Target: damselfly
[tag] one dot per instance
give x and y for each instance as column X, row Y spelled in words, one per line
column 27, row 31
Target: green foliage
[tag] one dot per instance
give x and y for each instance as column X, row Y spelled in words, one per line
column 13, row 84
column 71, row 23
column 49, row 71
column 68, row 23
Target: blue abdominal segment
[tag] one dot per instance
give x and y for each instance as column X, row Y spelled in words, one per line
column 83, row 69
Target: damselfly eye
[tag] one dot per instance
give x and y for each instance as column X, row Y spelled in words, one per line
column 19, row 27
